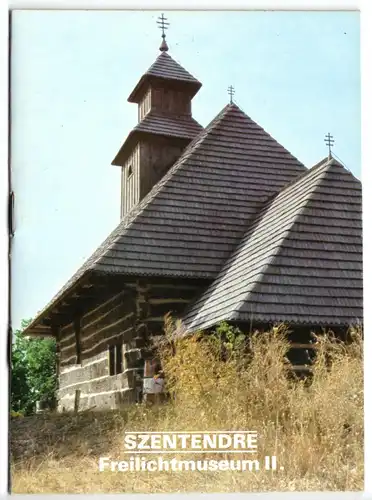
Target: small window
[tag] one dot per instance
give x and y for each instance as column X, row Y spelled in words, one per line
column 112, row 359
column 116, row 358
column 130, row 171
column 119, row 358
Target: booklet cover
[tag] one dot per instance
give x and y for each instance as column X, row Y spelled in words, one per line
column 186, row 253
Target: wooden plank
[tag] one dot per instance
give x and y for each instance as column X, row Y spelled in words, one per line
column 296, row 345
column 297, row 368
column 77, row 325
column 77, row 400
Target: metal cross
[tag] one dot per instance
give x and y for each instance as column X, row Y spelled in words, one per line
column 329, row 140
column 231, row 92
column 163, row 24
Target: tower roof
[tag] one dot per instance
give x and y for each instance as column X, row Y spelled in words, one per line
column 163, row 69
column 180, row 127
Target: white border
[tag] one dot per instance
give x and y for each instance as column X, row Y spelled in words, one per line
column 366, row 80
column 366, row 22
column 3, row 246
column 189, row 5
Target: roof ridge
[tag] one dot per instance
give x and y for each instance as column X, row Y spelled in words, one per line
column 344, row 167
column 325, row 162
column 271, row 197
column 265, row 131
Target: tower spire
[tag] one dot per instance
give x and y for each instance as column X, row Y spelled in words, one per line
column 163, row 25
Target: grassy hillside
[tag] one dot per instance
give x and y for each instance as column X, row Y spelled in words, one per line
column 315, row 430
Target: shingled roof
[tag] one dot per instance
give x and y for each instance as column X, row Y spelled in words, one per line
column 194, row 217
column 168, row 125
column 183, row 127
column 166, row 68
column 190, row 222
column 300, row 261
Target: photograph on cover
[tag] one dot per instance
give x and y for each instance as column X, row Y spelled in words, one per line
column 186, row 264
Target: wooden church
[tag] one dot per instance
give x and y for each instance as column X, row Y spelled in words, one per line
column 217, row 223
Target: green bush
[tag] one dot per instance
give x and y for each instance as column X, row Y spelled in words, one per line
column 33, row 372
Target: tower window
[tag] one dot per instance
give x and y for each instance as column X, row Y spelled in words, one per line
column 130, row 171
column 145, row 105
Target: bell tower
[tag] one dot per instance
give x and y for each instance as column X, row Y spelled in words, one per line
column 165, row 125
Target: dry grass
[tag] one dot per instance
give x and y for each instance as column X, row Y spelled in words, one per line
column 315, row 430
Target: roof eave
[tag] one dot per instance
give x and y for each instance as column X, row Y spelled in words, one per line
column 138, row 91
column 36, row 328
column 118, row 161
column 39, row 334
column 299, row 322
column 126, row 148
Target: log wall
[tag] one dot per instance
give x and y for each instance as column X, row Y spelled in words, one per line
column 111, row 322
column 126, row 320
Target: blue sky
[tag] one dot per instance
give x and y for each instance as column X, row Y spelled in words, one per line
column 295, row 73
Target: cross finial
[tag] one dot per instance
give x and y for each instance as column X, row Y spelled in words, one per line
column 329, row 140
column 163, row 25
column 231, row 92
